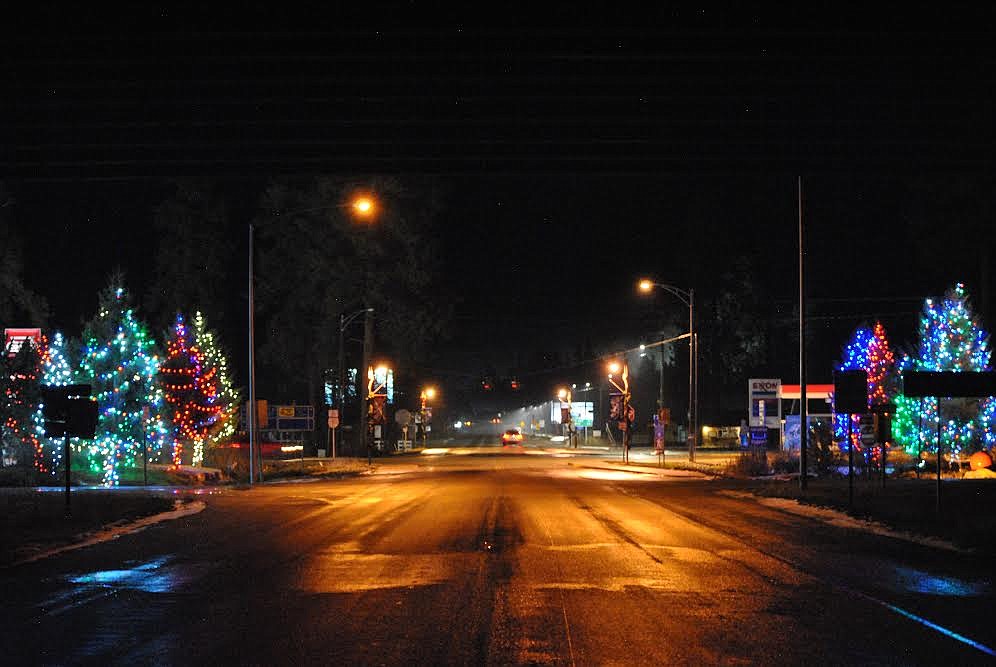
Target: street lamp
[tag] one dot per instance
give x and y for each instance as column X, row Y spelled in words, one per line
column 425, row 396
column 620, row 370
column 363, row 206
column 687, row 297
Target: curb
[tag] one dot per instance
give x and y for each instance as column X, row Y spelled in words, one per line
column 658, row 472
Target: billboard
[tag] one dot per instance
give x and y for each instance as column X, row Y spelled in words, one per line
column 583, row 413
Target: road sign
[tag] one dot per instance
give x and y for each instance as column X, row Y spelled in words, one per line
column 69, row 411
column 403, row 417
column 954, row 384
column 333, row 418
column 758, row 436
column 289, row 418
column 850, row 392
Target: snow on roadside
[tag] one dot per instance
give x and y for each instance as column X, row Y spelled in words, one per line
column 112, row 532
column 842, row 520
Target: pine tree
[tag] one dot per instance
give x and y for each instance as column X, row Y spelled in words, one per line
column 191, row 390
column 120, row 362
column 869, row 351
column 950, row 339
column 213, row 356
column 20, row 396
column 56, row 371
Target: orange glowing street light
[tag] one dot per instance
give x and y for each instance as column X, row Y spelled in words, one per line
column 426, row 395
column 687, row 297
column 364, row 206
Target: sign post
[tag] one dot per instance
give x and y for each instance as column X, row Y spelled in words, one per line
column 333, row 425
column 68, row 411
column 850, row 397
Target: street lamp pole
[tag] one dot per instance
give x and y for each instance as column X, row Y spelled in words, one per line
column 344, row 322
column 687, row 297
column 362, row 207
column 251, row 408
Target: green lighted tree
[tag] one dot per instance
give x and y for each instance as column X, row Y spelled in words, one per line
column 119, row 360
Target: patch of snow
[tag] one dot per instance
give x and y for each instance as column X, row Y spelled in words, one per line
column 842, row 520
column 112, row 532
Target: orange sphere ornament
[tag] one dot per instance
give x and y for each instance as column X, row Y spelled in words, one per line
column 980, row 460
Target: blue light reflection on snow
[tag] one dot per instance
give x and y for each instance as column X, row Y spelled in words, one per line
column 146, row 577
column 918, row 581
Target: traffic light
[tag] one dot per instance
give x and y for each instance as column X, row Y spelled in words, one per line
column 487, row 384
column 514, row 383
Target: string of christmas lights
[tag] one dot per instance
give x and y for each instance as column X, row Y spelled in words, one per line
column 868, row 350
column 190, row 388
column 950, row 339
column 120, row 362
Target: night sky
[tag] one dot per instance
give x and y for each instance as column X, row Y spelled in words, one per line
column 578, row 150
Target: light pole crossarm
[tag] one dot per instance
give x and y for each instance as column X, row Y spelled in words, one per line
column 345, row 320
column 684, row 295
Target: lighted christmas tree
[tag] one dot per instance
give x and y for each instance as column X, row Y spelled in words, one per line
column 191, row 390
column 213, row 356
column 20, row 396
column 869, row 351
column 120, row 362
column 56, row 371
column 951, row 339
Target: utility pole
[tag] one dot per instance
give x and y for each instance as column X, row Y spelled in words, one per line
column 251, row 409
column 803, row 407
column 692, row 388
column 361, row 380
column 340, row 392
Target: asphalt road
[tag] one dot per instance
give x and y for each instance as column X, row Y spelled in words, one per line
column 503, row 557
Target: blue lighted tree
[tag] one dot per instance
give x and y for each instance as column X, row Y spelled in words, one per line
column 119, row 360
column 950, row 339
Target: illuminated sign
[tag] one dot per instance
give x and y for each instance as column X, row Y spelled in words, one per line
column 582, row 413
column 15, row 338
column 764, row 402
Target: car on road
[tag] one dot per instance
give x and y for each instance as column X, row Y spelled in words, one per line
column 511, row 437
